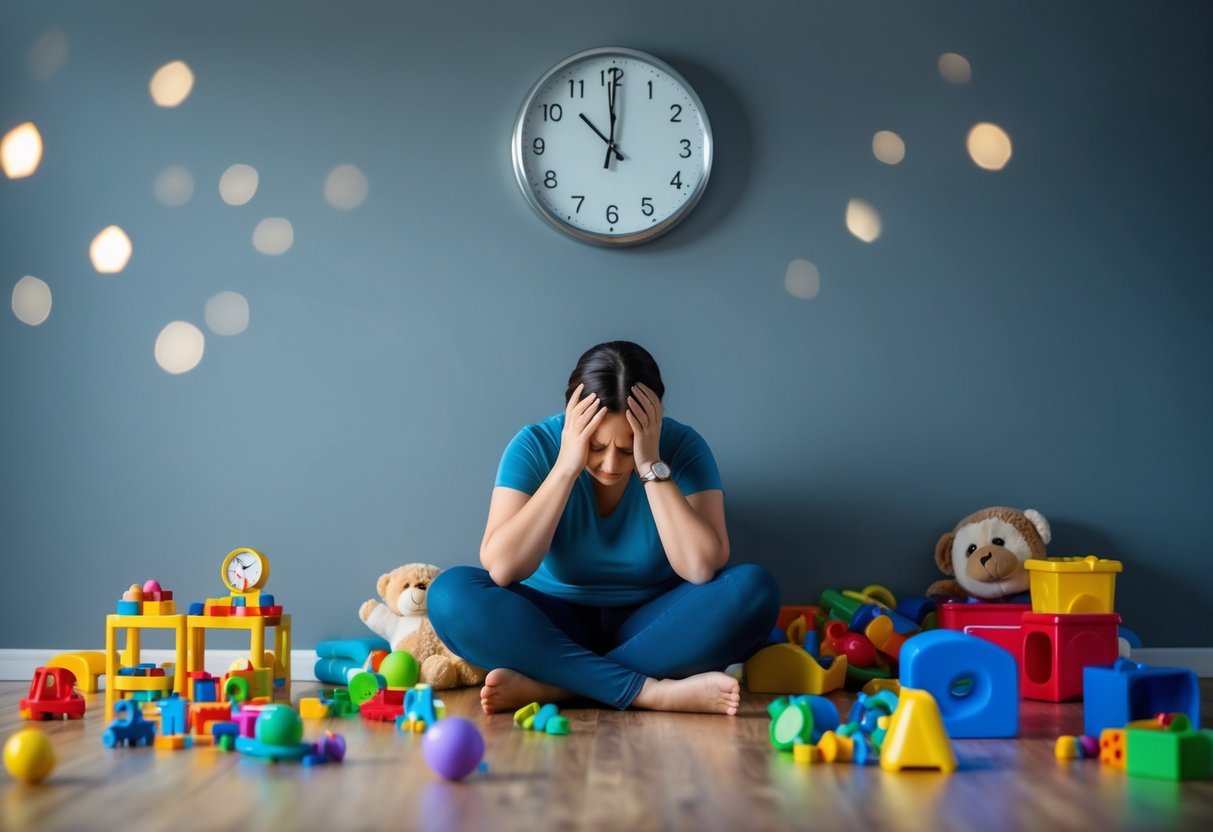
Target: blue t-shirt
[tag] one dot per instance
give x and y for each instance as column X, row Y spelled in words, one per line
column 617, row 559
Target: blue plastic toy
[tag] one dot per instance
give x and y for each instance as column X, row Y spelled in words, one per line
column 825, row 714
column 974, row 681
column 1117, row 695
column 172, row 715
column 129, row 727
column 338, row 657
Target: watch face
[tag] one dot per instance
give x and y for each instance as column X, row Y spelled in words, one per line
column 612, row 146
column 662, row 470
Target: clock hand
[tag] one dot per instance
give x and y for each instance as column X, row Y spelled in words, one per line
column 618, row 155
column 606, row 162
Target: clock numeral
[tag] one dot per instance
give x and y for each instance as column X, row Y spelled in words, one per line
column 549, row 179
column 686, row 149
column 677, row 180
column 580, row 199
column 650, row 90
column 646, row 206
column 612, row 214
column 616, row 75
column 580, row 87
column 552, row 112
column 677, row 110
column 538, row 147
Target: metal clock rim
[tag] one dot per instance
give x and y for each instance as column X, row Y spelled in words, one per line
column 612, row 240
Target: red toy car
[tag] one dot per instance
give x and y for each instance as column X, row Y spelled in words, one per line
column 52, row 694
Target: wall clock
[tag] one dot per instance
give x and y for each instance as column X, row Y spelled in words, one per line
column 245, row 571
column 612, row 147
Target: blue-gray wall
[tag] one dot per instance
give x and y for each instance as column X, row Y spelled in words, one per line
column 1036, row 337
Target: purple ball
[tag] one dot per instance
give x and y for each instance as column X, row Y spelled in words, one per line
column 453, row 747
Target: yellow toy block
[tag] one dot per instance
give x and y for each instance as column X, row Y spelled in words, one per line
column 87, row 666
column 131, row 683
column 169, row 742
column 207, row 740
column 835, row 747
column 916, row 737
column 1113, row 750
column 159, row 607
column 526, row 712
column 806, row 754
column 786, row 668
column 1067, row 747
column 312, row 708
column 1072, row 585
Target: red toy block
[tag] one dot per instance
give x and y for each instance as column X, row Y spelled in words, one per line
column 788, row 614
column 1001, row 624
column 1057, row 647
column 385, row 706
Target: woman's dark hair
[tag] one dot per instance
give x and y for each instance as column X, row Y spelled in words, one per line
column 610, row 369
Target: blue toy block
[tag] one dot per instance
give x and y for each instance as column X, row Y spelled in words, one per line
column 338, row 657
column 777, row 636
column 866, row 612
column 130, row 607
column 825, row 714
column 974, row 681
column 129, row 727
column 238, row 601
column 172, row 715
column 545, row 713
column 1117, row 695
column 196, row 608
column 266, row 600
column 812, row 643
column 205, row 690
column 915, row 609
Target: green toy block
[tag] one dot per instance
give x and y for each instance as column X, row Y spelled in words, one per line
column 793, row 725
column 1177, row 753
column 558, row 725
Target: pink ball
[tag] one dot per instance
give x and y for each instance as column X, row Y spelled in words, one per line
column 453, row 747
column 859, row 650
column 151, row 586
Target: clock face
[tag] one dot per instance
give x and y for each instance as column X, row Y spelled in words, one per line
column 612, row 146
column 245, row 569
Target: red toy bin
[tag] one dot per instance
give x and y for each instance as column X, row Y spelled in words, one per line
column 1056, row 648
column 1001, row 624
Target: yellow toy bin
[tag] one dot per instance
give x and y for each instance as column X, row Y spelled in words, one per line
column 1066, row 586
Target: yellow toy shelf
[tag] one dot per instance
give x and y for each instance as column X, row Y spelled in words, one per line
column 116, row 685
column 1066, row 586
column 197, row 625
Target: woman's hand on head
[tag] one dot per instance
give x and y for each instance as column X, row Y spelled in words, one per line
column 581, row 418
column 644, row 414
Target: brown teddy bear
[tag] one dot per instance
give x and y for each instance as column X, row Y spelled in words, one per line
column 402, row 620
column 986, row 551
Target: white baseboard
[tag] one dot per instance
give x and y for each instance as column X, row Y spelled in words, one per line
column 19, row 665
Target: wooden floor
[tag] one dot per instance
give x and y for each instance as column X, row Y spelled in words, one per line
column 631, row 770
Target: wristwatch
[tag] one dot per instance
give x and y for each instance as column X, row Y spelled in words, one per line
column 658, row 471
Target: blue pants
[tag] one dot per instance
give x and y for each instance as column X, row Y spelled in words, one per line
column 604, row 653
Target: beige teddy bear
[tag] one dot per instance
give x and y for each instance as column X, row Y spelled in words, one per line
column 401, row 619
column 986, row 551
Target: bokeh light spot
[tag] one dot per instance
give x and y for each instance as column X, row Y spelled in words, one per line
column 21, row 151
column 227, row 313
column 174, row 186
column 31, row 300
column 863, row 220
column 47, row 55
column 346, row 187
column 110, row 250
column 172, row 84
column 238, row 184
column 989, row 146
column 179, row 347
column 273, row 235
column 888, row 147
column 802, row 279
column 955, row 68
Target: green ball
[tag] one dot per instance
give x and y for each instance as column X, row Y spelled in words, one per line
column 400, row 669
column 279, row 725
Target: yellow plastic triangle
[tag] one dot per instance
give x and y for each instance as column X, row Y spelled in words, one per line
column 916, row 737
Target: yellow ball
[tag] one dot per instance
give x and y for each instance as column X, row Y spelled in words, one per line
column 29, row 756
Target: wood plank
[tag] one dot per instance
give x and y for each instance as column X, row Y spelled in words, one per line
column 629, row 770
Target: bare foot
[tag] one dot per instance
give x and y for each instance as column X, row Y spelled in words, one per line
column 509, row 690
column 704, row 693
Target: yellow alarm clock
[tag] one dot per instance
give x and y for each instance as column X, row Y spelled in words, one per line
column 244, row 573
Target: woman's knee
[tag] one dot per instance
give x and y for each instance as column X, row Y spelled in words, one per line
column 756, row 592
column 449, row 598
